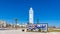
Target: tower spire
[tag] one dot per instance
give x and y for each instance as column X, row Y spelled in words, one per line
column 31, row 15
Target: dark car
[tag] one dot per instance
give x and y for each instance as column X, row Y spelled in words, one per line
column 23, row 30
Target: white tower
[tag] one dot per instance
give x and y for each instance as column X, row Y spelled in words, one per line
column 31, row 16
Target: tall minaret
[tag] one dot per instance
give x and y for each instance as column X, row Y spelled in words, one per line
column 31, row 16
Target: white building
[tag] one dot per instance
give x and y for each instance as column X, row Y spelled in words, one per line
column 2, row 23
column 23, row 25
column 31, row 16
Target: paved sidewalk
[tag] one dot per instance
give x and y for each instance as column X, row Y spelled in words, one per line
column 20, row 32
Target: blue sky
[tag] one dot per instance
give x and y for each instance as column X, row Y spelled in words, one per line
column 48, row 11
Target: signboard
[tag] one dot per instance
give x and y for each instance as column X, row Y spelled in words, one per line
column 42, row 26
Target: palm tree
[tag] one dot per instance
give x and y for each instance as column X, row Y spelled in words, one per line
column 27, row 23
column 16, row 21
column 37, row 21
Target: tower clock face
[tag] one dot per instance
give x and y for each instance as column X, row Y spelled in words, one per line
column 30, row 11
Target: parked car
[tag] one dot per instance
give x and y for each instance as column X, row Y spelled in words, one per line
column 23, row 30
